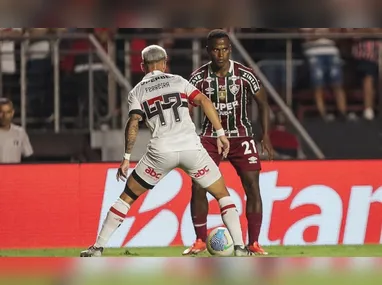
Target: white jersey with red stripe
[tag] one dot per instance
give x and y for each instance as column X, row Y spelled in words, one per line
column 162, row 100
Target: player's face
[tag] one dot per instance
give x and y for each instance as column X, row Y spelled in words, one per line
column 6, row 114
column 220, row 52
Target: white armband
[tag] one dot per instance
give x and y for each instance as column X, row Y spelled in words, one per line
column 127, row 156
column 220, row 133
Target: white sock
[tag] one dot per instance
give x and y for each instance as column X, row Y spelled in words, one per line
column 231, row 219
column 114, row 219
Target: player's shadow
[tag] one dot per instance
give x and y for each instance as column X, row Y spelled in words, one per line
column 128, row 253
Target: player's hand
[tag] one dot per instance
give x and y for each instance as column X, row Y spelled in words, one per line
column 122, row 170
column 267, row 146
column 223, row 146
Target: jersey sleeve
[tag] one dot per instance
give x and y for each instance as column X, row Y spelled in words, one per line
column 253, row 82
column 26, row 147
column 195, row 79
column 191, row 91
column 133, row 105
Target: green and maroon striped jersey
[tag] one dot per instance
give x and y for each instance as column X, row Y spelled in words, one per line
column 230, row 96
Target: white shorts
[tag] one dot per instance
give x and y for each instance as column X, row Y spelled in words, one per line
column 197, row 163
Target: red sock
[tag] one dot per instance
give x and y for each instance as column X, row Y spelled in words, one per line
column 200, row 226
column 254, row 226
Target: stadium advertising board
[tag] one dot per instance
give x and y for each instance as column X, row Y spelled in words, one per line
column 306, row 202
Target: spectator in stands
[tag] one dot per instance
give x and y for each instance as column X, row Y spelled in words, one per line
column 270, row 56
column 285, row 144
column 14, row 141
column 8, row 65
column 39, row 73
column 84, row 60
column 180, row 54
column 325, row 65
column 366, row 53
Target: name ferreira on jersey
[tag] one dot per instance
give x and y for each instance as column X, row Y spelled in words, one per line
column 157, row 87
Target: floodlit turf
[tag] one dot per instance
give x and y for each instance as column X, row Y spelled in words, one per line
column 302, row 279
column 274, row 251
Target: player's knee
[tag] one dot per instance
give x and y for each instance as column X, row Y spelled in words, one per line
column 251, row 185
column 198, row 193
column 252, row 189
column 218, row 189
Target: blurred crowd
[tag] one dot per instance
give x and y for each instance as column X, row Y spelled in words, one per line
column 334, row 73
column 167, row 13
column 334, row 78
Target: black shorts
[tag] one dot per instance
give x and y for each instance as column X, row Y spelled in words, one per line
column 367, row 68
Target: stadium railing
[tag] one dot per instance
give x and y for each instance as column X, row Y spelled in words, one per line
column 285, row 104
column 15, row 84
column 115, row 115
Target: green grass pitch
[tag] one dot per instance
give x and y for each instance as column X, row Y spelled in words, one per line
column 274, row 251
column 183, row 274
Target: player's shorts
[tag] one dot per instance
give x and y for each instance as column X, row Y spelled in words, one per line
column 243, row 153
column 197, row 163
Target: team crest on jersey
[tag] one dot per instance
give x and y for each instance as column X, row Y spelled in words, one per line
column 234, row 88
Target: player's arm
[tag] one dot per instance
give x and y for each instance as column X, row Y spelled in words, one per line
column 196, row 98
column 132, row 125
column 131, row 132
column 196, row 83
column 209, row 110
column 261, row 99
column 191, row 110
column 260, row 96
column 262, row 103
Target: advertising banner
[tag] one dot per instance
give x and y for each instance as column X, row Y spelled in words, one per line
column 304, row 202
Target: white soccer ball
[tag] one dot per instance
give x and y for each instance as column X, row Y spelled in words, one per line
column 219, row 242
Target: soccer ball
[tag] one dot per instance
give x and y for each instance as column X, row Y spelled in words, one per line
column 219, row 242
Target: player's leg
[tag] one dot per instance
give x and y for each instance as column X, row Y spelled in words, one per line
column 204, row 171
column 254, row 209
column 199, row 203
column 144, row 177
column 199, row 213
column 245, row 159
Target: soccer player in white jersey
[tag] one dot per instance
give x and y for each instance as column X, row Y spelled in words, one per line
column 162, row 99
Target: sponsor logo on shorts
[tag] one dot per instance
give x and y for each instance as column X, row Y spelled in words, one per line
column 252, row 160
column 201, row 172
column 150, row 171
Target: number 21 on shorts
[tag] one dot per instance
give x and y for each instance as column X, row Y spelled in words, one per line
column 250, row 147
